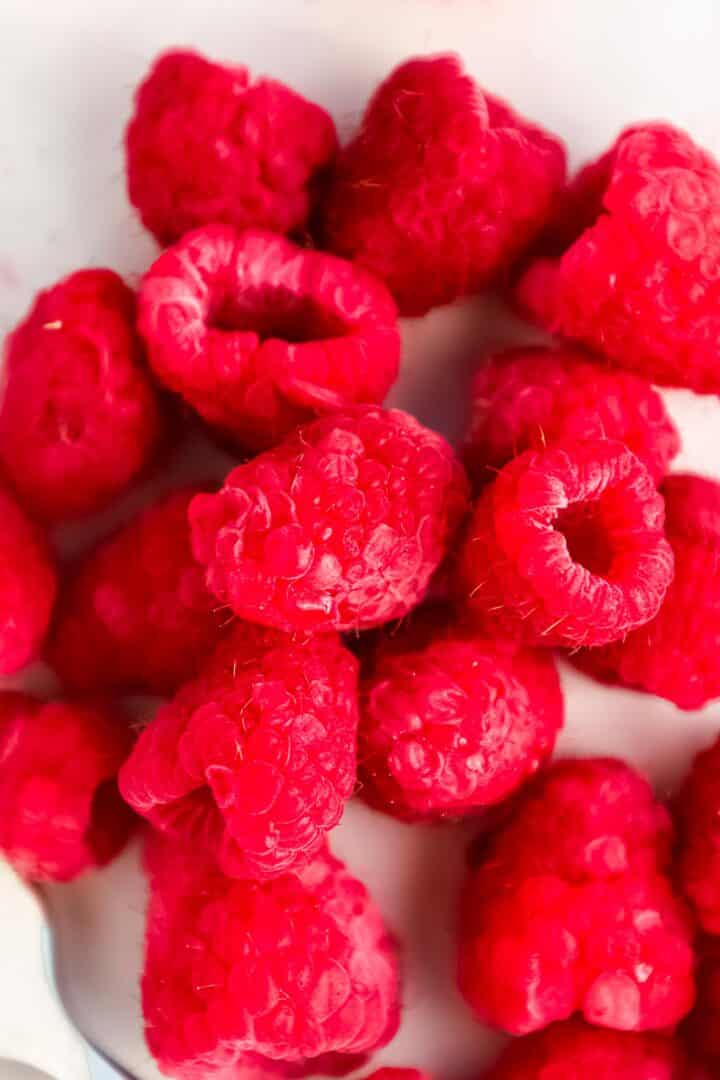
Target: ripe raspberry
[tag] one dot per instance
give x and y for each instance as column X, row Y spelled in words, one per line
column 566, row 547
column 206, row 144
column 698, row 809
column 675, row 655
column 137, row 614
column 255, row 758
column 389, row 1073
column 298, row 972
column 528, row 398
column 259, row 335
column 27, row 587
column 340, row 527
column 78, row 419
column 442, row 186
column 450, row 722
column 637, row 276
column 571, row 909
column 60, row 810
column 701, row 1030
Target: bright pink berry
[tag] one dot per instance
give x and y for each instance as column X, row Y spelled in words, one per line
column 27, row 587
column 571, row 909
column 566, row 547
column 78, row 419
column 208, row 144
column 253, row 760
column 339, row 527
column 442, row 186
column 698, row 810
column 60, row 810
column 701, row 1030
column 259, row 335
column 452, row 722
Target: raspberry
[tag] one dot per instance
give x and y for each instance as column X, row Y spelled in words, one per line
column 701, row 1030
column 340, row 527
column 60, row 810
column 389, row 1073
column 78, row 419
column 27, row 587
column 239, row 975
column 442, row 187
column 259, row 335
column 566, row 547
column 255, row 759
column 658, row 658
column 571, row 909
column 528, row 398
column 450, row 722
column 206, row 144
column 698, row 811
column 137, row 614
column 637, row 277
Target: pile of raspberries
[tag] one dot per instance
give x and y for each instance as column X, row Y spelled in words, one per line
column 358, row 607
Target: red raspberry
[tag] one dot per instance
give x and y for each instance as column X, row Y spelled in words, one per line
column 78, row 419
column 701, row 1030
column 27, row 587
column 675, row 655
column 242, row 975
column 60, row 810
column 528, row 398
column 259, row 335
column 637, row 277
column 206, row 144
column 698, row 811
column 390, row 1073
column 442, row 186
column 450, row 722
column 566, row 547
column 255, row 758
column 340, row 527
column 571, row 909
column 137, row 614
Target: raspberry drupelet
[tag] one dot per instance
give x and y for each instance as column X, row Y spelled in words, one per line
column 207, row 143
column 259, row 335
column 698, row 814
column 338, row 528
column 566, row 547
column 297, row 975
column 28, row 586
column 442, row 187
column 79, row 419
column 633, row 270
column 452, row 722
column 571, row 909
column 60, row 810
column 254, row 759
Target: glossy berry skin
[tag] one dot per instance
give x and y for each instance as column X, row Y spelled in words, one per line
column 566, row 547
column 79, row 418
column 28, row 586
column 207, row 143
column 633, row 270
column 442, row 186
column 452, row 722
column 60, row 810
column 338, row 528
column 571, row 909
column 298, row 975
column 254, row 759
column 698, row 812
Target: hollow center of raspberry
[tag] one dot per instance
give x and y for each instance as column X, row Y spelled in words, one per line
column 586, row 536
column 275, row 313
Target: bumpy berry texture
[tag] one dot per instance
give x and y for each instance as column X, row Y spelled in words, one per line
column 207, row 144
column 442, row 186
column 571, row 909
column 60, row 810
column 637, row 274
column 298, row 973
column 27, row 587
column 340, row 527
column 451, row 722
column 78, row 418
column 255, row 759
column 259, row 335
column 136, row 614
column 698, row 810
column 529, row 398
column 676, row 654
column 566, row 547
column 701, row 1030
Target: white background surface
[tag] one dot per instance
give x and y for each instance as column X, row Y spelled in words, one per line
column 583, row 67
